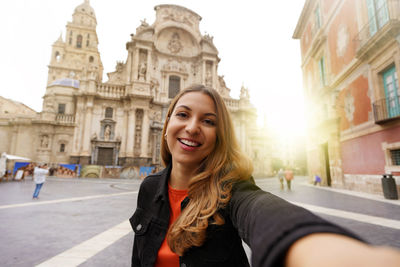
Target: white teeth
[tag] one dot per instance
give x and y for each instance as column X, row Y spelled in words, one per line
column 188, row 143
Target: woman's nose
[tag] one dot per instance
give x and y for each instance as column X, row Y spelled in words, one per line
column 192, row 126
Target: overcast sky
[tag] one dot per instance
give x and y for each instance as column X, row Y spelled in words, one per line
column 254, row 40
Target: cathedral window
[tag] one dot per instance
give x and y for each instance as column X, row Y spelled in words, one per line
column 62, row 147
column 61, row 108
column 109, row 112
column 174, row 86
column 79, row 41
column 91, row 59
column 57, row 56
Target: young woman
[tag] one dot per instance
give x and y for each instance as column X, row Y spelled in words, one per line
column 197, row 211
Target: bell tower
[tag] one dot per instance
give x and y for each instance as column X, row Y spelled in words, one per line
column 78, row 54
column 75, row 64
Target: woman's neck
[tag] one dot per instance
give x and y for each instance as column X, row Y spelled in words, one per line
column 180, row 176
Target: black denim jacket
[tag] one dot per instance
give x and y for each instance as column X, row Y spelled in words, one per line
column 267, row 223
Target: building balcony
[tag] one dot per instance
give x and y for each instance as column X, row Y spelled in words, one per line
column 111, row 91
column 232, row 104
column 65, row 118
column 386, row 109
column 381, row 28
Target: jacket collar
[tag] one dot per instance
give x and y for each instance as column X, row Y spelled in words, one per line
column 162, row 191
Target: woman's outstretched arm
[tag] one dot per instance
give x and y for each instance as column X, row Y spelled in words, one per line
column 326, row 249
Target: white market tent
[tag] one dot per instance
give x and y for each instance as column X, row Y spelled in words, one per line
column 13, row 157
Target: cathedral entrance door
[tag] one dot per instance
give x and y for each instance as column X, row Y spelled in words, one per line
column 105, row 156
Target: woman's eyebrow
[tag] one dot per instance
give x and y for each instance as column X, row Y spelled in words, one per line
column 183, row 106
column 188, row 108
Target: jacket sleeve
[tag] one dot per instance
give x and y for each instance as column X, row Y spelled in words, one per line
column 135, row 256
column 270, row 225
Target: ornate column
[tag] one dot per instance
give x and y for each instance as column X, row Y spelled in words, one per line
column 145, row 134
column 87, row 126
column 214, row 74
column 124, row 133
column 130, row 133
column 78, row 131
column 135, row 64
column 129, row 67
column 148, row 66
column 204, row 74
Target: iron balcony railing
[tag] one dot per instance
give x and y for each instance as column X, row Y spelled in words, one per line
column 386, row 17
column 386, row 109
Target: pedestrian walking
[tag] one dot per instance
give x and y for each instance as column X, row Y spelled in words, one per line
column 281, row 175
column 317, row 180
column 197, row 211
column 39, row 177
column 289, row 177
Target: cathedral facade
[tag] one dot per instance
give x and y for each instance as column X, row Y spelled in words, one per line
column 119, row 122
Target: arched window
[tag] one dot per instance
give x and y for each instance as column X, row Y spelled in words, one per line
column 62, row 147
column 91, row 59
column 79, row 41
column 57, row 56
column 174, row 86
column 109, row 112
column 70, row 38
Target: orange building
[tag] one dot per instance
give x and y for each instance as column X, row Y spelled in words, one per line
column 351, row 64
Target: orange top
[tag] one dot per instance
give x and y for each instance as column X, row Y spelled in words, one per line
column 165, row 257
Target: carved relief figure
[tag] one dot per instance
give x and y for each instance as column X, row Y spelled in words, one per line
column 177, row 16
column 44, row 141
column 174, row 44
column 107, row 133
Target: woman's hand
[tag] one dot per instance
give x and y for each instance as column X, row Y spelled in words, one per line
column 326, row 249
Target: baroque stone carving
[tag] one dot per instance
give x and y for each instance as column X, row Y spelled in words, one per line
column 107, row 133
column 154, row 85
column 178, row 16
column 174, row 44
column 44, row 141
column 142, row 71
column 174, row 66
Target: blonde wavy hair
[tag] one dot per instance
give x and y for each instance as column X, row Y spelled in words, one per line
column 210, row 189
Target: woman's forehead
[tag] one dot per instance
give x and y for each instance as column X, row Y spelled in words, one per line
column 196, row 100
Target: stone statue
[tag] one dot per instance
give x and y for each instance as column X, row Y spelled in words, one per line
column 209, row 78
column 107, row 133
column 142, row 70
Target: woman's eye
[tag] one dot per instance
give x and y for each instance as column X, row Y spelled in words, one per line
column 209, row 122
column 181, row 114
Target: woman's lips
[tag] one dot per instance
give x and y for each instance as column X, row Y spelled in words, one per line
column 188, row 145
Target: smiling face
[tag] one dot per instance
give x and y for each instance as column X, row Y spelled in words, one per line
column 192, row 129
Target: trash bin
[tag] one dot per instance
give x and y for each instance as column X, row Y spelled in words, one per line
column 389, row 187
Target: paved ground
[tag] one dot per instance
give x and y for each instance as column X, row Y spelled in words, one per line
column 83, row 222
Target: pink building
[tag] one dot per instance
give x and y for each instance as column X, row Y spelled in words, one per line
column 351, row 64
